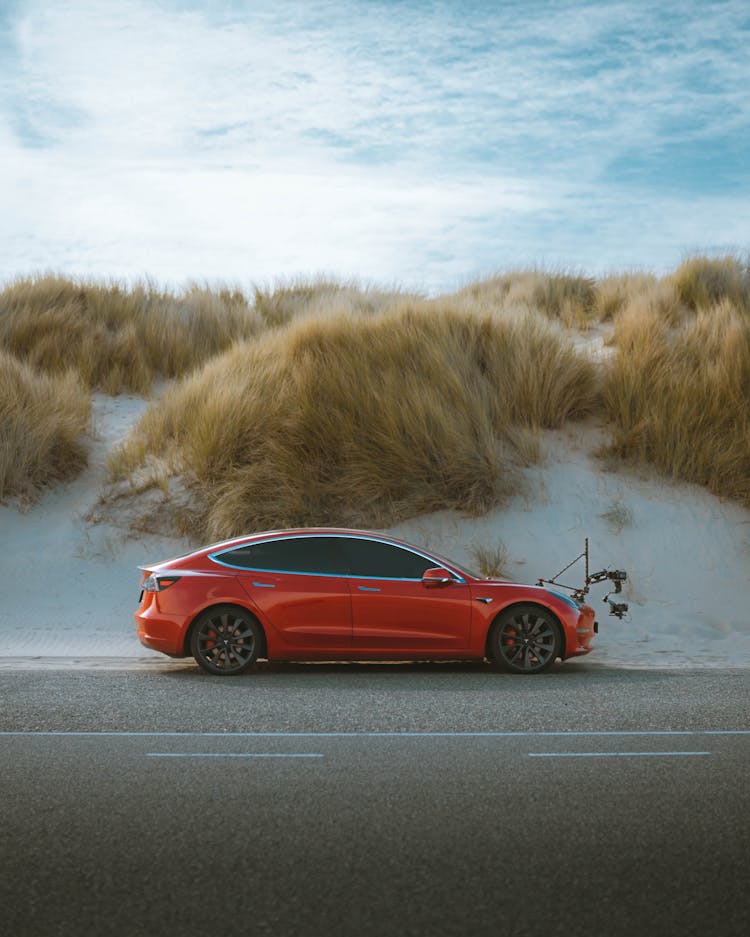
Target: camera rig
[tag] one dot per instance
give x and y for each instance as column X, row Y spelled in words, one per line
column 616, row 576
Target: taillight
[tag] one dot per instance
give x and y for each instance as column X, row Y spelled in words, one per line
column 154, row 583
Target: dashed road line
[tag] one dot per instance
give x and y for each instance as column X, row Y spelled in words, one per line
column 612, row 754
column 233, row 755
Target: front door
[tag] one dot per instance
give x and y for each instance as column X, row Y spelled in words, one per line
column 392, row 611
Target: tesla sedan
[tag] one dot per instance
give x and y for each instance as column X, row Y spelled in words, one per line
column 325, row 594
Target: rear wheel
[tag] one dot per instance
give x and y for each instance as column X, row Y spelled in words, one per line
column 225, row 640
column 526, row 639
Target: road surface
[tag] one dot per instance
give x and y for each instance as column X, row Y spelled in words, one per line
column 366, row 800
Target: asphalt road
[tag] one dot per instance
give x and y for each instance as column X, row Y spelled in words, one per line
column 367, row 800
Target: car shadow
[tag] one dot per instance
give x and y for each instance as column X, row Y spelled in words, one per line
column 361, row 673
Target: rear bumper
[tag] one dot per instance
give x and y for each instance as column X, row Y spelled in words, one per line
column 159, row 631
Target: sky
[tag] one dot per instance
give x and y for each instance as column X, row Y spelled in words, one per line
column 420, row 144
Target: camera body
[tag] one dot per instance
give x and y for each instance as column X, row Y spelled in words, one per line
column 618, row 609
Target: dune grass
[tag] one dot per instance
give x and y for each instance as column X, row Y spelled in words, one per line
column 119, row 338
column 678, row 396
column 122, row 338
column 564, row 297
column 350, row 420
column 678, row 389
column 318, row 401
column 42, row 418
column 284, row 302
column 491, row 561
column 702, row 282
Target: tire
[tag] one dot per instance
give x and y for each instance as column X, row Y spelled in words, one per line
column 526, row 639
column 225, row 640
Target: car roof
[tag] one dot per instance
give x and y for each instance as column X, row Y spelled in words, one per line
column 304, row 532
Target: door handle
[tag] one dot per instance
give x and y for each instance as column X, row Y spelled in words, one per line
column 368, row 588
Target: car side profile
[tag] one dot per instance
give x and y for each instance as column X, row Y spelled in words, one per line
column 330, row 594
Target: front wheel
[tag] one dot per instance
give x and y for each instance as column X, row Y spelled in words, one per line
column 225, row 640
column 526, row 639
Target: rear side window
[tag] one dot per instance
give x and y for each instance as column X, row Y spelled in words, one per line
column 318, row 555
column 373, row 559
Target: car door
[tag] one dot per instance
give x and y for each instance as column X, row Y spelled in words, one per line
column 392, row 610
column 298, row 584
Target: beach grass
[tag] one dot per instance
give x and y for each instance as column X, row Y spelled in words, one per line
column 564, row 297
column 702, row 282
column 323, row 401
column 491, row 561
column 42, row 419
column 119, row 338
column 678, row 395
column 361, row 421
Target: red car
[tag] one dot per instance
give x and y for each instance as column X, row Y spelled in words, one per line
column 324, row 594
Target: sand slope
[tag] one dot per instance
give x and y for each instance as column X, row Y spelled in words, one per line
column 69, row 587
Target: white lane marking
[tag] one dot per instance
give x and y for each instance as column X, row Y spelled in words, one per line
column 232, row 755
column 389, row 735
column 610, row 754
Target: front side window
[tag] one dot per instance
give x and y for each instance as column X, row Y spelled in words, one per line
column 313, row 555
column 373, row 559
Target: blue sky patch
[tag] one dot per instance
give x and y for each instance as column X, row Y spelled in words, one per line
column 408, row 142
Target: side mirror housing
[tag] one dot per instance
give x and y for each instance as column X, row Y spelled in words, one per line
column 433, row 578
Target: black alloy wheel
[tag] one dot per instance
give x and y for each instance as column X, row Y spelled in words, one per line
column 225, row 640
column 526, row 639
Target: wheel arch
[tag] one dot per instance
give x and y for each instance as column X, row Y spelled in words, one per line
column 262, row 652
column 525, row 604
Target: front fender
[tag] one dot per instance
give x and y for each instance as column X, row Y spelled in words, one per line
column 502, row 596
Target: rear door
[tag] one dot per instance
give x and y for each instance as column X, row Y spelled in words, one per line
column 298, row 584
column 393, row 611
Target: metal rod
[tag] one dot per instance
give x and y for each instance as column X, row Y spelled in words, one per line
column 586, row 551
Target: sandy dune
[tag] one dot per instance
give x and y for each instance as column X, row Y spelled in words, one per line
column 69, row 587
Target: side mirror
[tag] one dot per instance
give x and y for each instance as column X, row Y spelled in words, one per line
column 431, row 578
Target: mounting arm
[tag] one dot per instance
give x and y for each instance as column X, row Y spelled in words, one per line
column 616, row 576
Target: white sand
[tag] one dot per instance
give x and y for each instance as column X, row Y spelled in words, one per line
column 69, row 588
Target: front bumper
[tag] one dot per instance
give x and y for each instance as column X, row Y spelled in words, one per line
column 586, row 628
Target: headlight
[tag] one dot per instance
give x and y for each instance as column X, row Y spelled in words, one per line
column 566, row 598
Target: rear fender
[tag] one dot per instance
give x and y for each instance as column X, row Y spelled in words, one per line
column 240, row 607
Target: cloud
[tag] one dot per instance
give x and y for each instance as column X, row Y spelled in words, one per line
column 397, row 141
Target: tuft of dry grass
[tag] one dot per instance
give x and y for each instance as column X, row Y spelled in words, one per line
column 116, row 338
column 279, row 305
column 285, row 302
column 679, row 396
column 615, row 292
column 492, row 562
column 41, row 420
column 567, row 298
column 702, row 282
column 344, row 419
